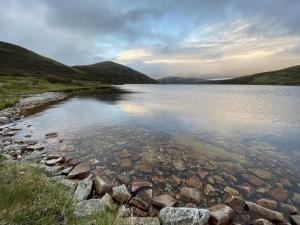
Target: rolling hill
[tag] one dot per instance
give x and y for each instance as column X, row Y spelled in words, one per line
column 18, row 60
column 114, row 73
column 287, row 76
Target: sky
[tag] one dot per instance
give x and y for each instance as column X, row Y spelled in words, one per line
column 190, row 38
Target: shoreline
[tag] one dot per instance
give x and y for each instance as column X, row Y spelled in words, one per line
column 136, row 195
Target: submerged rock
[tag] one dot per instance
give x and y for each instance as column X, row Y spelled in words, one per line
column 296, row 198
column 88, row 207
column 164, row 200
column 221, row 215
column 183, row 216
column 278, row 194
column 295, row 220
column 192, row 195
column 289, row 209
column 137, row 185
column 263, row 174
column 267, row 203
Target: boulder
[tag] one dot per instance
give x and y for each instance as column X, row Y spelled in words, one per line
column 101, row 186
column 295, row 219
column 83, row 190
column 192, row 195
column 88, row 207
column 121, row 194
column 139, row 221
column 80, row 171
column 261, row 222
column 164, row 200
column 137, row 185
column 221, row 215
column 258, row 212
column 183, row 216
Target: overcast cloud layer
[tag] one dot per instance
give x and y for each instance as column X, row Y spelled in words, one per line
column 215, row 38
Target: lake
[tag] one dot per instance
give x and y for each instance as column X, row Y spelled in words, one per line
column 221, row 139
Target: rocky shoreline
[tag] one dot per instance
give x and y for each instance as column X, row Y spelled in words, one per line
column 135, row 201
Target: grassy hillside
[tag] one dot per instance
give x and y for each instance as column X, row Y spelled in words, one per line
column 13, row 87
column 181, row 80
column 114, row 73
column 287, row 76
column 17, row 60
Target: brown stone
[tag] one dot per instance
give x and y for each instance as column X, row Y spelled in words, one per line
column 139, row 212
column 190, row 205
column 194, row 182
column 101, row 186
column 191, row 195
column 121, row 194
column 126, row 164
column 263, row 174
column 253, row 179
column 246, row 190
column 124, row 154
column 123, row 179
column 158, row 179
column 146, row 167
column 209, row 190
column 220, row 215
column 264, row 189
column 288, row 209
column 80, row 171
column 267, row 203
column 73, row 162
column 278, row 194
column 164, row 200
column 296, row 198
column 261, row 222
column 231, row 191
column 51, row 135
column 137, row 185
column 139, row 203
column 179, row 165
column 176, row 180
column 237, row 204
column 202, row 174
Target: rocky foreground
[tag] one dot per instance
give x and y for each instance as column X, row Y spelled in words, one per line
column 135, row 202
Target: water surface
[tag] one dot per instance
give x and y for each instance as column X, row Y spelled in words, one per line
column 183, row 135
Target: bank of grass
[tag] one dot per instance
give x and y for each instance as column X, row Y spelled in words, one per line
column 13, row 87
column 27, row 196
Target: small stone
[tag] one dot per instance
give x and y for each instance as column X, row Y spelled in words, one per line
column 194, row 182
column 190, row 205
column 80, row 171
column 88, row 207
column 52, row 170
column 101, row 186
column 53, row 162
column 289, row 209
column 296, row 198
column 295, row 219
column 267, row 203
column 73, row 162
column 146, row 167
column 123, row 179
column 246, row 190
column 183, row 216
column 221, row 215
column 120, row 194
column 137, row 185
column 263, row 174
column 36, row 147
column 164, row 200
column 253, row 179
column 261, row 222
column 139, row 203
column 51, row 135
column 139, row 221
column 126, row 164
column 209, row 190
column 263, row 189
column 279, row 194
column 191, row 195
column 231, row 191
column 83, row 190
column 108, row 202
column 179, row 165
column 202, row 174
column 138, row 212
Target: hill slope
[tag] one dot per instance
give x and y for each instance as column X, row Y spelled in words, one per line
column 181, row 80
column 287, row 76
column 114, row 73
column 18, row 60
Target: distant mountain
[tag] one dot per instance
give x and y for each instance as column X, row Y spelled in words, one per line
column 181, row 80
column 114, row 73
column 287, row 76
column 18, row 60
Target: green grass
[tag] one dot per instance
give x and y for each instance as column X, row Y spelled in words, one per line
column 27, row 196
column 13, row 87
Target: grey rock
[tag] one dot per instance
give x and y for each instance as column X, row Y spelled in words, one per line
column 52, row 162
column 83, row 190
column 124, row 211
column 52, row 170
column 183, row 216
column 36, row 147
column 108, row 202
column 88, row 207
column 80, row 171
column 70, row 184
column 58, row 178
column 139, row 221
column 66, row 171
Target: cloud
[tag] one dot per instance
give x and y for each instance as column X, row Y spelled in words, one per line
column 193, row 37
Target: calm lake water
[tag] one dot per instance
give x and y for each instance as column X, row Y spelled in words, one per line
column 211, row 137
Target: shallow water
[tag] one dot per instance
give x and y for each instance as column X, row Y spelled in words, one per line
column 170, row 133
